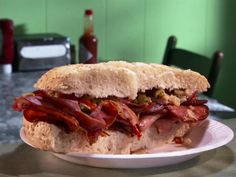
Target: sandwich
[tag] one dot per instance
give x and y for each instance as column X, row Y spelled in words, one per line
column 114, row 107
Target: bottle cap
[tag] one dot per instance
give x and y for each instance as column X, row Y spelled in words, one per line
column 6, row 68
column 89, row 12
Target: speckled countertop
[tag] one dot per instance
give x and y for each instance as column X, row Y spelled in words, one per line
column 12, row 86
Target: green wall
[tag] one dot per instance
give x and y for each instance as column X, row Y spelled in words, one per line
column 137, row 30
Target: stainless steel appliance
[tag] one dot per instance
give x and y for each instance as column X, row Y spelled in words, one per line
column 41, row 51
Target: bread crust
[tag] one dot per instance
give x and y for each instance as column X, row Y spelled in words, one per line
column 49, row 137
column 119, row 78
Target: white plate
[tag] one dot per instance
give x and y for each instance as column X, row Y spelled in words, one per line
column 207, row 136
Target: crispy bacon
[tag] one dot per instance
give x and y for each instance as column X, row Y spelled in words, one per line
column 192, row 100
column 83, row 100
column 191, row 110
column 88, row 122
column 112, row 113
column 109, row 112
column 153, row 109
column 35, row 110
column 135, row 107
column 88, row 103
column 164, row 125
column 68, row 106
column 125, row 112
column 42, row 107
column 188, row 113
column 142, row 108
column 34, row 115
column 126, row 115
column 71, row 107
column 147, row 121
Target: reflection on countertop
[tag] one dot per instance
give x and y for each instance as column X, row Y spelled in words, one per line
column 12, row 86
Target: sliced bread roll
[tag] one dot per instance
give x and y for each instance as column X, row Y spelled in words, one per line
column 119, row 78
column 49, row 137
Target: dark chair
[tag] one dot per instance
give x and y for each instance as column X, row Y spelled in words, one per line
column 209, row 67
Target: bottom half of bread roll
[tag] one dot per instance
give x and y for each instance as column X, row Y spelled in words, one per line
column 50, row 137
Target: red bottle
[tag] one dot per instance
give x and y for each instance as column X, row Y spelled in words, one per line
column 7, row 48
column 88, row 41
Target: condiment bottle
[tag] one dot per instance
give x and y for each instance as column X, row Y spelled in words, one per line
column 7, row 46
column 88, row 41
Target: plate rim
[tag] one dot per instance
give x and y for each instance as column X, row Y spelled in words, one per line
column 186, row 152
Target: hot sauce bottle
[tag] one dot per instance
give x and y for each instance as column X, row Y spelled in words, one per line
column 7, row 48
column 88, row 41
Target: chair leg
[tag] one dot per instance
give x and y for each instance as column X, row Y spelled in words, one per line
column 214, row 71
column 171, row 44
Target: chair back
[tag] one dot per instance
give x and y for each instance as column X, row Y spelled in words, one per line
column 209, row 67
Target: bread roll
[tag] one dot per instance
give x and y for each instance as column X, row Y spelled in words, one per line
column 49, row 137
column 119, row 78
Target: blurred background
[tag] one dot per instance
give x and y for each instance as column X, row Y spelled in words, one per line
column 137, row 30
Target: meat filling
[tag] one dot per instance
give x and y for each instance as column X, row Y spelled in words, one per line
column 96, row 116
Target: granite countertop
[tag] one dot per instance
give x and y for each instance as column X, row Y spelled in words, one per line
column 12, row 86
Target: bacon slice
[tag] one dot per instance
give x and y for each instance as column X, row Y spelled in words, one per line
column 61, row 109
column 127, row 116
column 83, row 100
column 192, row 100
column 164, row 125
column 153, row 109
column 72, row 107
column 135, row 107
column 34, row 115
column 68, row 106
column 188, row 113
column 147, row 121
column 109, row 112
column 34, row 110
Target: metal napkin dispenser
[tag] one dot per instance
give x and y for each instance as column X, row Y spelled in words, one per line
column 41, row 51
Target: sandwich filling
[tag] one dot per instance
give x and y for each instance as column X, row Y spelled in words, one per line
column 94, row 116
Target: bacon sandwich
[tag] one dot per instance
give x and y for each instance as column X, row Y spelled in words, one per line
column 112, row 108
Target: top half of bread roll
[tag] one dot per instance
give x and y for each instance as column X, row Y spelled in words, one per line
column 119, row 78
